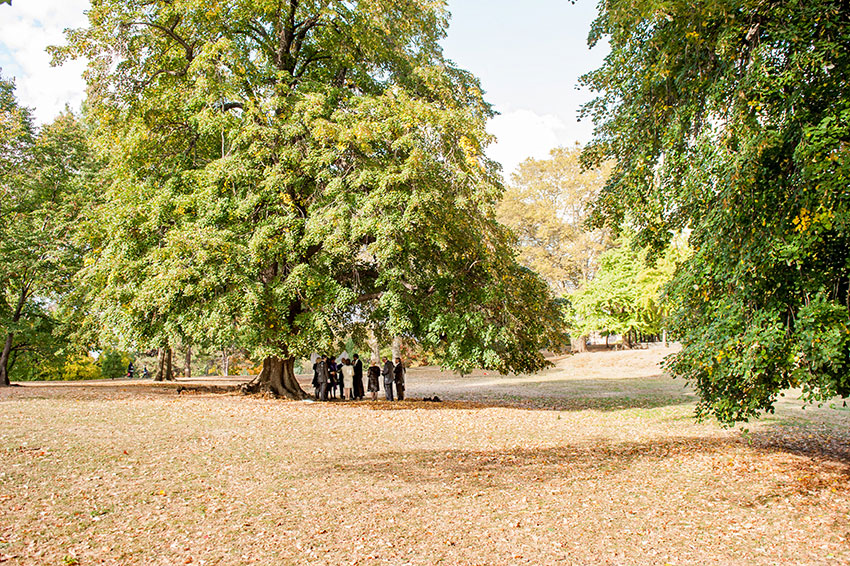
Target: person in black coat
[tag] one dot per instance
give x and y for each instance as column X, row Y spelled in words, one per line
column 357, row 388
column 334, row 376
column 373, row 374
column 398, row 377
column 387, row 373
column 316, row 387
column 322, row 377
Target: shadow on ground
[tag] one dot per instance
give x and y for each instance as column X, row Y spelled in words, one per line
column 581, row 394
column 602, row 394
column 501, row 469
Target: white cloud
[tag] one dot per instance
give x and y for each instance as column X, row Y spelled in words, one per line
column 27, row 27
column 523, row 133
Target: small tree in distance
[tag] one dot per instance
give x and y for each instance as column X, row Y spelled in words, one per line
column 628, row 294
column 112, row 364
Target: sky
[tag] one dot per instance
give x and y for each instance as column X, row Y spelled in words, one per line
column 528, row 55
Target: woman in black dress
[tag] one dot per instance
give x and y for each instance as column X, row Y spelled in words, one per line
column 358, row 378
column 373, row 373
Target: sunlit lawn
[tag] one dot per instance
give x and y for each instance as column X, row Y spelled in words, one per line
column 596, row 461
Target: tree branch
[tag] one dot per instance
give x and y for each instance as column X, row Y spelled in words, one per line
column 261, row 36
column 226, row 106
column 301, row 34
column 22, row 299
column 312, row 251
column 311, row 59
column 168, row 31
column 182, row 72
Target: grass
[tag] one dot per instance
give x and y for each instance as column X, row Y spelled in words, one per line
column 595, row 461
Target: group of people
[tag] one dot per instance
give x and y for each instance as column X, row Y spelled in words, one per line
column 347, row 377
column 131, row 370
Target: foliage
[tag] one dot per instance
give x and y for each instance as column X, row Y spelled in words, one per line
column 56, row 365
column 281, row 174
column 43, row 191
column 733, row 118
column 27, row 365
column 628, row 292
column 113, row 364
column 79, row 366
column 547, row 205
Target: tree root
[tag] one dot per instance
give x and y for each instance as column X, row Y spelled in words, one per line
column 263, row 386
column 252, row 387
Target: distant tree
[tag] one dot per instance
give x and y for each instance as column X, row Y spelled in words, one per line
column 112, row 364
column 627, row 296
column 280, row 172
column 79, row 367
column 733, row 119
column 43, row 192
column 547, row 205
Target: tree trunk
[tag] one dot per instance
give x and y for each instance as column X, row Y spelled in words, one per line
column 396, row 347
column 164, row 370
column 578, row 345
column 627, row 340
column 188, row 370
column 277, row 378
column 664, row 334
column 4, row 361
column 375, row 346
column 7, row 345
column 225, row 362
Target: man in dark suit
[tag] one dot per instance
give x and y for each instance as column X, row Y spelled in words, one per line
column 398, row 375
column 357, row 388
column 387, row 373
column 323, row 377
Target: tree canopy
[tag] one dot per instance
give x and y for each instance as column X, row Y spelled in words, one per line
column 44, row 190
column 732, row 118
column 547, row 205
column 628, row 293
column 282, row 174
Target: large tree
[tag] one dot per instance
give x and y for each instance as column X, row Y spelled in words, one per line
column 44, row 183
column 733, row 118
column 281, row 172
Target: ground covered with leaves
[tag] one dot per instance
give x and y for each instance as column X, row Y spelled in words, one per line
column 597, row 460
